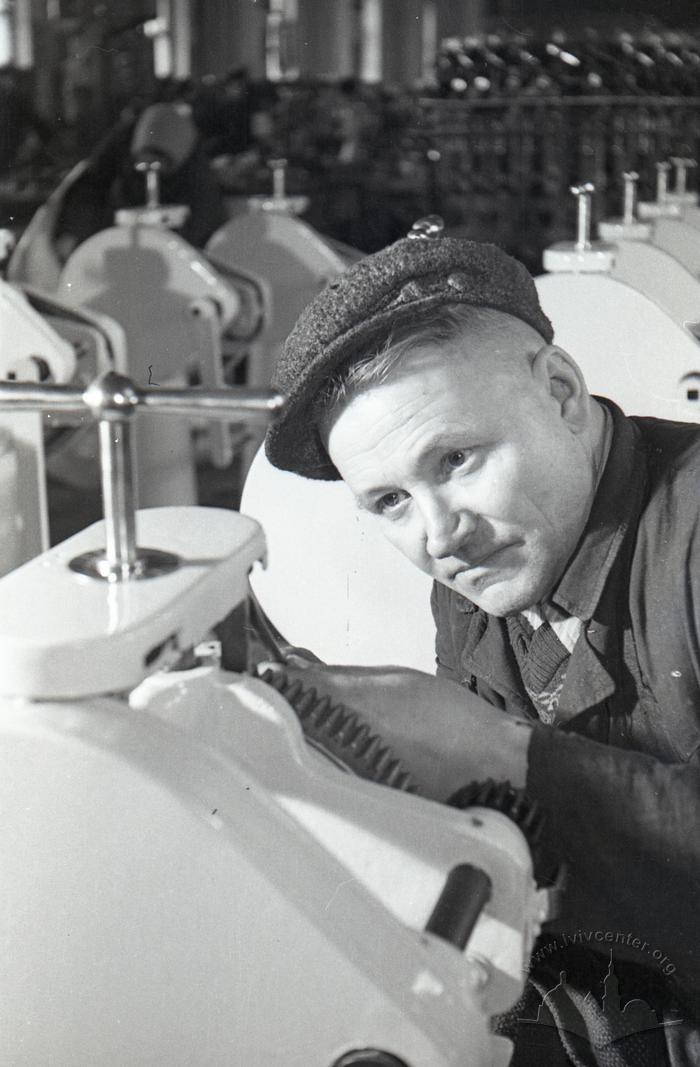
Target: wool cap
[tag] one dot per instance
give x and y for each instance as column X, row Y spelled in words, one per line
column 356, row 313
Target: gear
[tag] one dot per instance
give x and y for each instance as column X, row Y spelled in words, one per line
column 525, row 813
column 341, row 735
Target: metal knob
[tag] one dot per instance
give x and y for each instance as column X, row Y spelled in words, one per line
column 682, row 166
column 629, row 209
column 662, row 171
column 113, row 400
column 430, row 227
column 584, row 196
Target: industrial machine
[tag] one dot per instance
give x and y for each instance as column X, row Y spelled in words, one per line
column 674, row 215
column 289, row 261
column 647, row 267
column 211, row 317
column 190, row 875
column 176, row 312
column 42, row 340
column 628, row 344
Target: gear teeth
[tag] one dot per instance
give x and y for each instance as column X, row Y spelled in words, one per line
column 392, row 773
column 342, row 733
column 294, row 691
column 305, row 705
column 361, row 738
column 321, row 713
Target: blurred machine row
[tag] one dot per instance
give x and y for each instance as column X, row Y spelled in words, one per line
column 491, row 139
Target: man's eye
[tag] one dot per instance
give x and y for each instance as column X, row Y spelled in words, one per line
column 456, row 458
column 389, row 502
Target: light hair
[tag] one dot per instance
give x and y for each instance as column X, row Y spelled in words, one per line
column 440, row 329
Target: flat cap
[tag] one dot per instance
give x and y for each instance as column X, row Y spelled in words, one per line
column 358, row 310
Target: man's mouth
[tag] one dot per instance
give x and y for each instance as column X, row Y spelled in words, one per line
column 485, row 559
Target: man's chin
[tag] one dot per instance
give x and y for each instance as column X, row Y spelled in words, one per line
column 498, row 597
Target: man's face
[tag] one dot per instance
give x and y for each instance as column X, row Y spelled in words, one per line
column 478, row 469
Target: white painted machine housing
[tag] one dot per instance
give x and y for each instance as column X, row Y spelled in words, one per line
column 184, row 880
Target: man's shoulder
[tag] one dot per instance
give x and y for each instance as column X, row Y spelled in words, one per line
column 672, row 447
column 672, row 459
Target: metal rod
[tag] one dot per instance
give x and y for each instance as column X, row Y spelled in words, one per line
column 279, row 167
column 116, row 469
column 28, row 396
column 228, row 403
column 153, row 186
column 629, row 211
column 583, row 193
column 662, row 170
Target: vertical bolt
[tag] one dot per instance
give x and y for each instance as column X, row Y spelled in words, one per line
column 278, row 168
column 662, row 170
column 584, row 194
column 113, row 400
column 118, row 498
column 629, row 212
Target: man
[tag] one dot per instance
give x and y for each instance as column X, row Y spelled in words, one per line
column 563, row 539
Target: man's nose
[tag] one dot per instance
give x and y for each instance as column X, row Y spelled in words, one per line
column 446, row 527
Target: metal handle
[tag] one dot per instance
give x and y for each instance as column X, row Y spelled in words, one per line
column 584, row 195
column 629, row 209
column 112, row 400
column 463, row 898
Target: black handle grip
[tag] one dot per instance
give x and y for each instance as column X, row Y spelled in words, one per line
column 460, row 904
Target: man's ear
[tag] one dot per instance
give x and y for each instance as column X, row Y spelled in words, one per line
column 562, row 379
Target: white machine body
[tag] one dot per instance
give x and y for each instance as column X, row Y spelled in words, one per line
column 681, row 239
column 174, row 308
column 289, row 263
column 657, row 275
column 691, row 214
column 184, row 880
column 628, row 347
column 30, row 347
column 629, row 322
column 333, row 583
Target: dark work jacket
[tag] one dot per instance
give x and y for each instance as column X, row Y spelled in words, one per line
column 618, row 776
